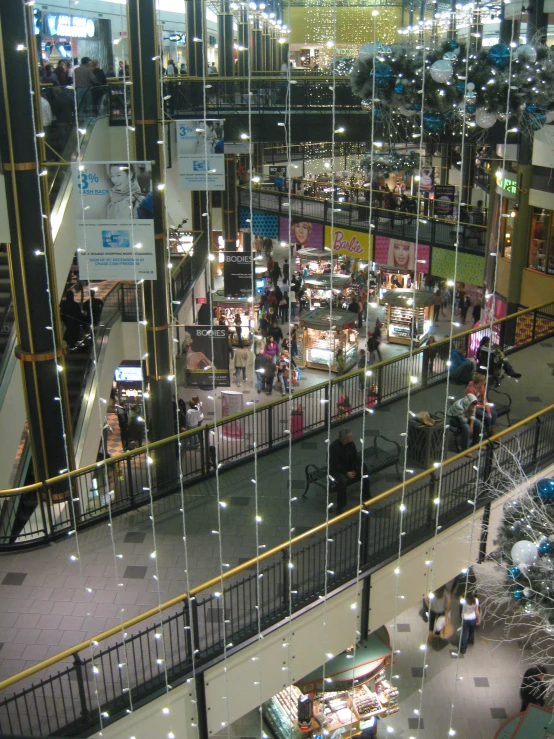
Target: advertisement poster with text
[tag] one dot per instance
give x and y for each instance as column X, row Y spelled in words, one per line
column 401, row 254
column 302, row 232
column 200, row 155
column 427, row 178
column 115, row 222
column 237, row 274
column 201, row 361
column 353, row 244
column 443, row 205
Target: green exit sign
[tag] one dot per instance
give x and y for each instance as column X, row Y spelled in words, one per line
column 506, row 183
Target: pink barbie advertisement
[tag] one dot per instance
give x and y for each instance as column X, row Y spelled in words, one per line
column 401, row 254
column 303, row 233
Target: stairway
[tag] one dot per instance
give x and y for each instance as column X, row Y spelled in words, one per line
column 76, row 366
column 6, row 307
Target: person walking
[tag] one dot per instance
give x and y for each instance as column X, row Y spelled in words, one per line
column 476, row 313
column 83, row 79
column 470, row 619
column 533, row 687
column 345, row 466
column 193, row 421
column 275, row 274
column 286, row 268
column 271, row 350
column 72, row 318
column 437, row 604
column 464, row 307
column 241, row 361
column 284, row 307
column 461, row 415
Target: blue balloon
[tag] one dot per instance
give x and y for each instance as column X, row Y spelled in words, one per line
column 531, row 108
column 545, row 489
column 383, row 75
column 517, row 594
column 514, row 572
column 471, row 108
column 453, row 44
column 460, row 87
column 499, row 55
column 544, row 547
column 399, row 89
column 433, row 122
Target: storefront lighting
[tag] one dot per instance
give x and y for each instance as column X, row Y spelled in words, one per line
column 340, row 130
column 330, row 44
column 244, row 136
column 21, row 47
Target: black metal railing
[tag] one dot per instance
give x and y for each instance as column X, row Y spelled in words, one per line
column 257, row 593
column 122, row 481
column 355, row 216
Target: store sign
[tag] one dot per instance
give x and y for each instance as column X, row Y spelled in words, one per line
column 444, row 201
column 115, row 226
column 342, row 241
column 400, row 254
column 207, row 354
column 70, row 25
column 507, row 184
column 237, row 274
column 301, row 232
column 200, row 155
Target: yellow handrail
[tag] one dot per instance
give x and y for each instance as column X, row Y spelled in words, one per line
column 295, row 396
column 177, row 600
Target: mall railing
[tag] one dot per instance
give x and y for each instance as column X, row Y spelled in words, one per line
column 123, row 482
column 73, row 688
column 433, row 231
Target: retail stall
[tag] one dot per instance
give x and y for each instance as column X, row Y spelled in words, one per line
column 344, row 696
column 319, row 292
column 226, row 310
column 318, row 343
column 128, row 382
column 408, row 315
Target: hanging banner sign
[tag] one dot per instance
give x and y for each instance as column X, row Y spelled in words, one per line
column 201, row 363
column 237, row 274
column 115, row 223
column 343, row 241
column 200, row 150
column 443, row 205
column 400, row 254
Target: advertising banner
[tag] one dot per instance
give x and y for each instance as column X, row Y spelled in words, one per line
column 237, row 274
column 200, row 150
column 197, row 346
column 302, row 232
column 427, row 178
column 401, row 254
column 115, row 226
column 444, row 201
column 353, row 244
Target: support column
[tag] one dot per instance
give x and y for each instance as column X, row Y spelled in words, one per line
column 266, row 41
column 275, row 63
column 146, row 94
column 200, row 209
column 229, row 204
column 33, row 277
column 520, row 237
column 257, row 57
column 445, row 164
column 226, row 65
column 194, row 16
column 537, row 21
column 244, row 41
column 509, row 27
column 467, row 173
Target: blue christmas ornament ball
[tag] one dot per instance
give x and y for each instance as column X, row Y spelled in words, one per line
column 383, row 75
column 499, row 55
column 545, row 547
column 545, row 489
column 517, row 594
column 416, row 106
column 433, row 122
column 471, row 108
column 531, row 108
column 453, row 44
column 460, row 87
column 450, row 56
column 514, row 572
column 399, row 89
column 537, row 121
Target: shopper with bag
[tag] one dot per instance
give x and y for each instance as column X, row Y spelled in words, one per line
column 470, row 619
column 437, row 604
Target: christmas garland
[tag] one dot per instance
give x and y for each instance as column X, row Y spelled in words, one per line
column 447, row 96
column 393, row 161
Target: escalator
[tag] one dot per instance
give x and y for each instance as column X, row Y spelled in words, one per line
column 6, row 305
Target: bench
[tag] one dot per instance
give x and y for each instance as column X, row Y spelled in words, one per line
column 502, row 408
column 376, row 458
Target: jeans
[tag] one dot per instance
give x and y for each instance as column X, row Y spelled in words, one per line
column 489, row 419
column 260, row 381
column 293, row 310
column 238, row 372
column 468, row 633
column 464, row 428
column 284, row 384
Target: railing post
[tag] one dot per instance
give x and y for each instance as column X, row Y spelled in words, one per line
column 489, row 455
column 425, row 367
column 187, row 607
column 484, row 533
column 203, row 448
column 379, row 384
column 433, row 493
column 537, row 438
column 130, row 486
column 202, row 717
column 534, row 325
column 78, row 664
column 325, row 213
column 269, row 411
column 286, row 581
column 327, row 404
column 365, row 609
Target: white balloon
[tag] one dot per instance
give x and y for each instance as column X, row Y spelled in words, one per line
column 470, row 86
column 441, row 70
column 527, row 51
column 524, row 553
column 484, row 119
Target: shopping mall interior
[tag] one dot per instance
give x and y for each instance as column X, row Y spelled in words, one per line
column 276, row 369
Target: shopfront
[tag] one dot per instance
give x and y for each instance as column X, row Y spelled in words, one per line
column 238, row 315
column 400, row 264
column 65, row 37
column 324, row 290
column 128, row 381
column 409, row 315
column 541, row 242
column 318, row 344
column 343, row 697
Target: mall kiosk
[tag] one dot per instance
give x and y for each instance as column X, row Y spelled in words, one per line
column 409, row 314
column 318, row 288
column 128, row 381
column 318, row 343
column 225, row 311
column 346, row 695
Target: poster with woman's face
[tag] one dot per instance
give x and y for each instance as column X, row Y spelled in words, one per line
column 302, row 232
column 400, row 254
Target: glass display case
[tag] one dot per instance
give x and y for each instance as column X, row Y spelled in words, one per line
column 319, row 344
column 409, row 316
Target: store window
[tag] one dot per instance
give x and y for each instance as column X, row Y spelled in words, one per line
column 506, row 230
column 541, row 245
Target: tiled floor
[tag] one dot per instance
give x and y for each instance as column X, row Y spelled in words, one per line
column 472, row 693
column 48, row 605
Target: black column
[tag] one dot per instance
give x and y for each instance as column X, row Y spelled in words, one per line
column 244, row 41
column 537, row 21
column 32, row 276
column 509, row 27
column 266, row 42
column 275, row 63
column 146, row 96
column 194, row 17
column 257, row 58
column 229, row 204
column 226, row 66
column 467, row 173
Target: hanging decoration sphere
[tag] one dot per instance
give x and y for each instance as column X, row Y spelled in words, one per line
column 517, row 594
column 433, row 122
column 545, row 547
column 514, row 572
column 531, row 108
column 484, row 119
column 527, row 53
column 441, row 70
column 471, row 108
column 416, row 106
column 527, row 592
column 383, row 75
column 450, row 56
column 545, row 489
column 399, row 89
column 454, row 45
column 460, row 87
column 368, row 51
column 499, row 55
column 524, row 553
column 470, row 86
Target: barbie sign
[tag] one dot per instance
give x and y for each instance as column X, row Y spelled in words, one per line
column 353, row 244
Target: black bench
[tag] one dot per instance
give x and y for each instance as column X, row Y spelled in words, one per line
column 376, row 458
column 502, row 406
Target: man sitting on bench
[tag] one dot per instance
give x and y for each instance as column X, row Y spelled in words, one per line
column 345, row 467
